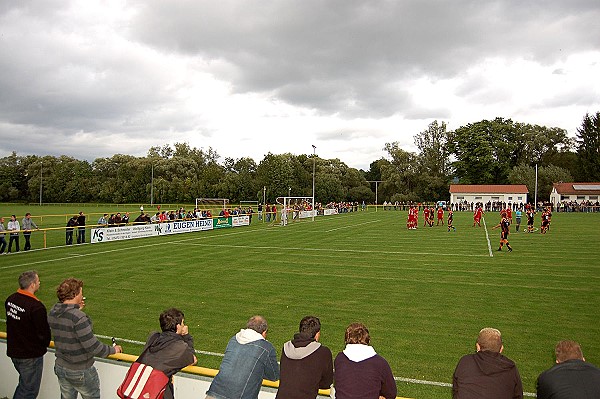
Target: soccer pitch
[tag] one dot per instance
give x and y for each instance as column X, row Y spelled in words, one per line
column 424, row 294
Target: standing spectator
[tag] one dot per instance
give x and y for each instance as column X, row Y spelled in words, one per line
column 249, row 358
column 69, row 230
column 14, row 228
column 306, row 365
column 172, row 349
column 27, row 225
column 571, row 377
column 260, row 211
column 487, row 374
column 2, row 234
column 81, row 228
column 75, row 343
column 28, row 335
column 359, row 371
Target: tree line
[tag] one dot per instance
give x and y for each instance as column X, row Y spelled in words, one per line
column 498, row 151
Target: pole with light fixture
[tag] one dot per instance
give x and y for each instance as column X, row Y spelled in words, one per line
column 313, row 188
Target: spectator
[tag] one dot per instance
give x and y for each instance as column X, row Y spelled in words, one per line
column 81, row 228
column 28, row 334
column 359, row 371
column 2, row 234
column 487, row 373
column 571, row 377
column 75, row 343
column 14, row 228
column 306, row 365
column 249, row 358
column 125, row 219
column 103, row 221
column 69, row 230
column 172, row 349
column 27, row 225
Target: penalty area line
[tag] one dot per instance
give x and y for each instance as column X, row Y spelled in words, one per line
column 354, row 225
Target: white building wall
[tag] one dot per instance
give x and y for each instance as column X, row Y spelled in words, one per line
column 484, row 198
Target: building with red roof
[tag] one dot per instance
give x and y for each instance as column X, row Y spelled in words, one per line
column 509, row 193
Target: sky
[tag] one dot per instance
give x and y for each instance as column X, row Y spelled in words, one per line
column 91, row 79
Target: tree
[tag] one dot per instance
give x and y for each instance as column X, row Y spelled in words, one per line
column 399, row 174
column 547, row 176
column 433, row 150
column 588, row 148
column 485, row 151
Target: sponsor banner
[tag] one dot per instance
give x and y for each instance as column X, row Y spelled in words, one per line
column 241, row 220
column 307, row 214
column 328, row 212
column 222, row 222
column 124, row 232
column 186, row 226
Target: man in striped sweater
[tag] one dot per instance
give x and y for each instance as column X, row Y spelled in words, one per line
column 75, row 343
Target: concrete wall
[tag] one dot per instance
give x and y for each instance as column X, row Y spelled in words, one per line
column 111, row 374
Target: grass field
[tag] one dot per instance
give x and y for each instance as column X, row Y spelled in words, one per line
column 423, row 294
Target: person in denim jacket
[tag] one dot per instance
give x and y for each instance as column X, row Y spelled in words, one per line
column 249, row 358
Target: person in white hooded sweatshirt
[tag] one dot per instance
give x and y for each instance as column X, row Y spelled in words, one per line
column 249, row 358
column 359, row 371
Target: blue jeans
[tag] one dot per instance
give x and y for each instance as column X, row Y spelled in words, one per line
column 86, row 382
column 30, row 377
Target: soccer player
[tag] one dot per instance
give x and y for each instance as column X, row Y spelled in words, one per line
column 504, row 224
column 440, row 216
column 477, row 216
column 425, row 216
column 450, row 220
column 530, row 219
column 545, row 221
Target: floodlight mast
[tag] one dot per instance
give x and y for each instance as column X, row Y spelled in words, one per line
column 313, row 187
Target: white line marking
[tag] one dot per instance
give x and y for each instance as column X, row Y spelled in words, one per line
column 354, row 225
column 487, row 238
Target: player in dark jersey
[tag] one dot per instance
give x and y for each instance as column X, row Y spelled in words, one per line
column 450, row 221
column 530, row 219
column 504, row 225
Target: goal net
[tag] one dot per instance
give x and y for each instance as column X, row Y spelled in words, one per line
column 212, row 203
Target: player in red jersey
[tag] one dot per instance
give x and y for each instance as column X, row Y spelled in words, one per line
column 546, row 215
column 425, row 216
column 509, row 214
column 504, row 225
column 411, row 222
column 477, row 216
column 440, row 216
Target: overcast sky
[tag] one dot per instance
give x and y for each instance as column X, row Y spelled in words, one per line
column 90, row 79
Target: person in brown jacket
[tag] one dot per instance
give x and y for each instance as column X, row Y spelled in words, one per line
column 487, row 373
column 306, row 365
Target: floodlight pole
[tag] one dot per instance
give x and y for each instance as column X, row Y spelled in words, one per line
column 536, row 188
column 376, row 185
column 41, row 167
column 313, row 187
column 152, row 187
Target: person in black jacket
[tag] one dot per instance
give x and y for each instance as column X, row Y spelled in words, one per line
column 306, row 365
column 571, row 377
column 69, row 230
column 81, row 228
column 28, row 334
column 487, row 374
column 172, row 349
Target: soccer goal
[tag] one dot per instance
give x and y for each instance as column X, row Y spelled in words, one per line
column 295, row 208
column 212, row 203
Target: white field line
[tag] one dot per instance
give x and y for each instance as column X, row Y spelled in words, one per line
column 399, row 379
column 354, row 225
column 487, row 238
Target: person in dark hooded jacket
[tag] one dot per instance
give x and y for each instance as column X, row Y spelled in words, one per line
column 487, row 373
column 172, row 349
column 306, row 365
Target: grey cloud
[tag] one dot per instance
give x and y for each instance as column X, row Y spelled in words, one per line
column 290, row 47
